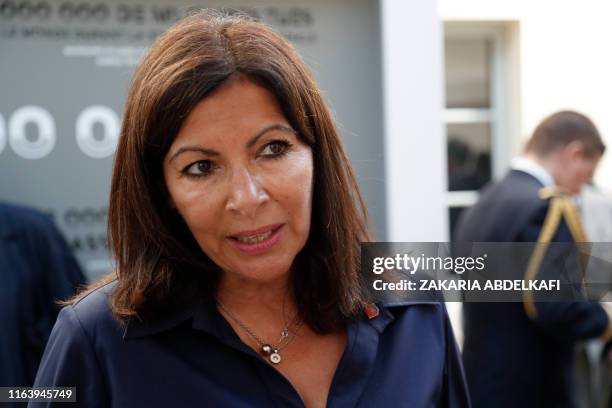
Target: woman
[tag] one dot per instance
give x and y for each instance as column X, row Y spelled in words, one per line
column 235, row 220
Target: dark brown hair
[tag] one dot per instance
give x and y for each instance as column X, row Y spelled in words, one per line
column 562, row 128
column 157, row 257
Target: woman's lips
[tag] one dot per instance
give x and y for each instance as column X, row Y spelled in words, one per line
column 258, row 240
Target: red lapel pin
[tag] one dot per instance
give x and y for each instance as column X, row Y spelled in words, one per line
column 371, row 310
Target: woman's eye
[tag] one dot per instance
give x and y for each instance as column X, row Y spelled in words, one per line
column 199, row 168
column 275, row 148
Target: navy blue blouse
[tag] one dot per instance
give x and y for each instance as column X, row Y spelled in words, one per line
column 404, row 357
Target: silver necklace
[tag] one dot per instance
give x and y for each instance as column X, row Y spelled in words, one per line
column 270, row 351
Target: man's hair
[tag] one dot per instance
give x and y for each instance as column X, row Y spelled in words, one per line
column 157, row 257
column 562, row 128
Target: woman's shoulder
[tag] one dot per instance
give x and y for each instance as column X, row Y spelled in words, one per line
column 429, row 316
column 92, row 313
column 84, row 331
column 425, row 325
column 400, row 305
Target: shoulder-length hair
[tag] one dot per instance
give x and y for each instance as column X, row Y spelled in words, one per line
column 157, row 258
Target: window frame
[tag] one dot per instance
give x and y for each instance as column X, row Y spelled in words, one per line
column 502, row 114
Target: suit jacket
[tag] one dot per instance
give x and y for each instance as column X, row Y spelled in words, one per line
column 510, row 360
column 36, row 269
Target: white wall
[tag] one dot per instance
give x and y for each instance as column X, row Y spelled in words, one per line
column 415, row 147
column 565, row 61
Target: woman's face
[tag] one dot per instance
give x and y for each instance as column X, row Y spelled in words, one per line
column 242, row 181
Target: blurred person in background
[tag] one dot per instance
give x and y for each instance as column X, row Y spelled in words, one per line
column 37, row 269
column 594, row 361
column 512, row 359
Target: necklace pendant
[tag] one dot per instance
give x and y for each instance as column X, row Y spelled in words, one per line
column 275, row 358
column 266, row 349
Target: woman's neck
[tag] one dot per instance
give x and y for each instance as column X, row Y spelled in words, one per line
column 255, row 301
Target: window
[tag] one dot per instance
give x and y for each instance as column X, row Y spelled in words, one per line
column 479, row 78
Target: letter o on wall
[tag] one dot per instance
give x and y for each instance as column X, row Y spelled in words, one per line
column 2, row 134
column 97, row 149
column 44, row 143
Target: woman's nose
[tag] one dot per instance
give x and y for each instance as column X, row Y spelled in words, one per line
column 246, row 194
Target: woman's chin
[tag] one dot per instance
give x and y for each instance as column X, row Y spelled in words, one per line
column 259, row 274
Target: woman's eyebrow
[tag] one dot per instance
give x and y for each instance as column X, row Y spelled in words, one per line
column 250, row 143
column 275, row 126
column 198, row 149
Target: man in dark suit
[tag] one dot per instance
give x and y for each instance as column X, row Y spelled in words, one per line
column 37, row 269
column 513, row 360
